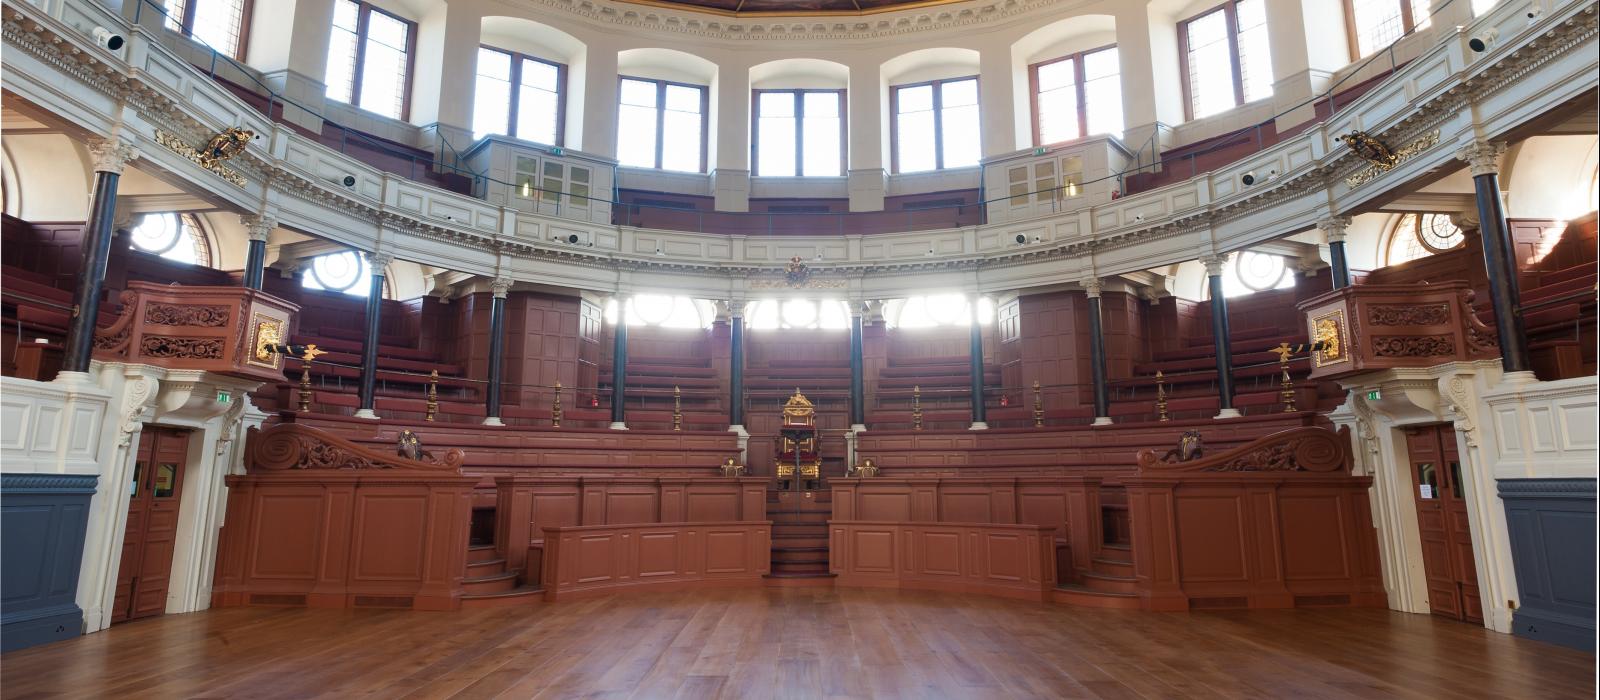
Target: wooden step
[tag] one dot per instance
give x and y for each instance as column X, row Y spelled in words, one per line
column 522, row 595
column 1102, row 583
column 486, row 567
column 494, row 583
column 1111, row 567
column 481, row 552
column 1078, row 595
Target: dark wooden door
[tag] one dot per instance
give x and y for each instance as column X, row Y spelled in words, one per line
column 148, row 541
column 1441, row 496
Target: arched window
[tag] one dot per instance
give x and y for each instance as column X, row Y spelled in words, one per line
column 339, row 272
column 1417, row 236
column 771, row 314
column 176, row 237
column 936, row 310
column 664, row 311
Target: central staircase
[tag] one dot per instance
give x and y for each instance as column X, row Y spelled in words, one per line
column 799, row 533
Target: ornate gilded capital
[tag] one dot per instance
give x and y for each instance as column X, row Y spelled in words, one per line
column 378, row 261
column 501, row 286
column 1333, row 228
column 1214, row 264
column 259, row 225
column 111, row 155
column 1482, row 157
column 1092, row 287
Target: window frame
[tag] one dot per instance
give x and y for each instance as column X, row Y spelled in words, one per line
column 938, row 121
column 247, row 9
column 1230, row 11
column 364, row 12
column 661, row 113
column 516, row 93
column 1078, row 85
column 799, row 130
column 1352, row 33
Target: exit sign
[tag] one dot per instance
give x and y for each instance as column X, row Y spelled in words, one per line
column 224, row 397
column 1374, row 395
column 1039, row 151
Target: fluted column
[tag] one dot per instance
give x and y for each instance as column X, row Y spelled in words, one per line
column 497, row 344
column 378, row 263
column 110, row 157
column 619, row 368
column 259, row 227
column 979, row 419
column 1219, row 335
column 1333, row 229
column 1097, row 354
column 1499, row 254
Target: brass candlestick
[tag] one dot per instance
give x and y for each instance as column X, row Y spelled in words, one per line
column 1038, row 406
column 916, row 407
column 1284, row 351
column 555, row 408
column 677, row 408
column 1161, row 397
column 306, row 357
column 433, row 395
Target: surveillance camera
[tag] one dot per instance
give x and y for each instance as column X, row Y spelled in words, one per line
column 1021, row 239
column 1249, row 178
column 449, row 218
column 1483, row 40
column 1037, row 239
column 1534, row 13
column 107, row 39
column 1138, row 217
column 1272, row 175
column 572, row 238
column 343, row 180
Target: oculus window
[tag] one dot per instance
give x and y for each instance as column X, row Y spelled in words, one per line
column 662, row 125
column 799, row 133
column 664, row 311
column 935, row 310
column 345, row 272
column 519, row 96
column 175, row 237
column 1076, row 96
column 935, row 125
column 774, row 314
column 219, row 24
column 1250, row 272
column 1419, row 236
column 1226, row 59
column 369, row 59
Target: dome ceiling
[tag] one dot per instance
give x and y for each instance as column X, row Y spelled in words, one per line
column 794, row 7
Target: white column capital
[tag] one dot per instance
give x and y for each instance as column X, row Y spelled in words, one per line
column 258, row 225
column 501, row 286
column 1092, row 287
column 1482, row 157
column 1333, row 228
column 378, row 261
column 1214, row 264
column 111, row 155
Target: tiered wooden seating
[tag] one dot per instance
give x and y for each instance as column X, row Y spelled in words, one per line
column 1190, row 376
column 402, row 379
column 946, row 384
column 651, row 381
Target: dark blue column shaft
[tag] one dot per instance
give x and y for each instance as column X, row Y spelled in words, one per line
column 369, row 345
column 858, row 407
column 1219, row 334
column 91, row 272
column 619, row 366
column 1500, row 260
column 497, row 344
column 1097, row 359
column 736, row 370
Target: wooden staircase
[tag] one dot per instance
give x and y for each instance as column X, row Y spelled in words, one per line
column 799, row 533
column 489, row 585
column 1108, row 583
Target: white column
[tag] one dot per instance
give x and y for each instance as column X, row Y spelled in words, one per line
column 289, row 45
column 447, row 60
column 1147, row 54
column 730, row 172
column 1308, row 45
column 868, row 133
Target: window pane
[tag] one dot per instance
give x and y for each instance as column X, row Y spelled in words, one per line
column 636, row 136
column 1378, row 23
column 1210, row 67
column 682, row 119
column 915, row 142
column 175, row 14
column 823, row 131
column 1102, row 92
column 639, row 92
column 684, row 99
column 1255, row 55
column 383, row 70
column 342, row 51
column 1058, row 105
column 1420, row 16
column 775, row 138
column 217, row 22
column 491, row 96
column 960, row 130
column 959, row 93
column 538, row 102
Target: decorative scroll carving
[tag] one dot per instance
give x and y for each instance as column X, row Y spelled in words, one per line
column 202, row 315
column 294, row 446
column 114, row 338
column 1400, row 315
column 1295, row 450
column 1414, row 346
column 1481, row 339
column 184, row 348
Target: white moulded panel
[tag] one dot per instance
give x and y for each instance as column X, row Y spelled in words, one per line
column 1576, row 424
column 83, row 445
column 1508, row 432
column 16, row 419
column 46, row 429
column 1541, row 429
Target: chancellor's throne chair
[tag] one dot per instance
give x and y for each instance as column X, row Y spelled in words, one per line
column 799, row 459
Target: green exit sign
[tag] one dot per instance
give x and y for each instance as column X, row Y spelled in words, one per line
column 224, row 397
column 557, row 151
column 1039, row 151
column 1374, row 395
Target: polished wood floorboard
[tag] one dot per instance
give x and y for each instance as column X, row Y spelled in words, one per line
column 796, row 643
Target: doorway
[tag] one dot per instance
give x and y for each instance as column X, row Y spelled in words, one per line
column 1441, row 497
column 154, row 495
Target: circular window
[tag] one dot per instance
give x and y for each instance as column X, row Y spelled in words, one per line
column 339, row 272
column 1259, row 271
column 1438, row 234
column 799, row 313
column 652, row 309
column 175, row 237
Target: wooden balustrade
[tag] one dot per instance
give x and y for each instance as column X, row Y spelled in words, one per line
column 1370, row 327
column 217, row 329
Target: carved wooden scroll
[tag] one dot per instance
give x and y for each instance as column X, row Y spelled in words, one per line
column 1295, row 450
column 113, row 339
column 294, row 446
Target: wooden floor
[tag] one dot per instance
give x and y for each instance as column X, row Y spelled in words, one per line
column 797, row 642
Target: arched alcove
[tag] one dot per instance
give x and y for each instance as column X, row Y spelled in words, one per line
column 546, row 43
column 1048, row 43
column 671, row 66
